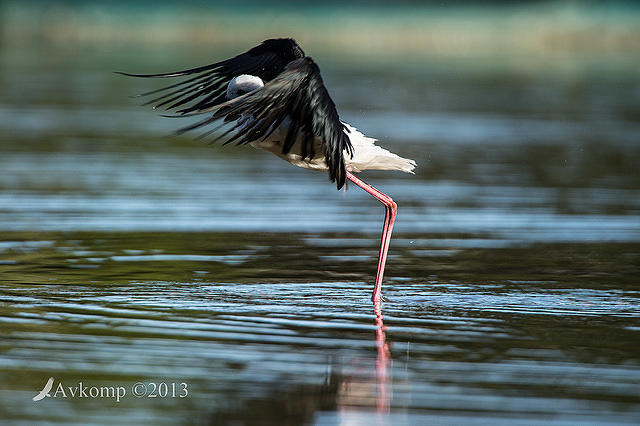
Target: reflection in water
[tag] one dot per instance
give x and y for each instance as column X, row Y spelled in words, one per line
column 383, row 362
column 369, row 386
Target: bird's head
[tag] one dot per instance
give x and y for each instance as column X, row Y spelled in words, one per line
column 242, row 84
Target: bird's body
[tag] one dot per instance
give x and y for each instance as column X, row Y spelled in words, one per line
column 272, row 97
column 366, row 154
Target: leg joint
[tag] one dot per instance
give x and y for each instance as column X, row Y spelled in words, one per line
column 392, row 205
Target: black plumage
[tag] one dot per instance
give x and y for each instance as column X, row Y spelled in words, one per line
column 293, row 90
column 207, row 88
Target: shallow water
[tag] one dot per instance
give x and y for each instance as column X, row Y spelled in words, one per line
column 279, row 325
column 128, row 255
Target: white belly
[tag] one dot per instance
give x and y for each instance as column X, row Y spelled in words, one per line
column 294, row 156
column 366, row 154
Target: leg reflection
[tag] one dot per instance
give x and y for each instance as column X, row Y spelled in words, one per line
column 366, row 384
column 383, row 363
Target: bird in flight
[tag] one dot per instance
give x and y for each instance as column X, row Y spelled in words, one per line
column 272, row 97
column 45, row 390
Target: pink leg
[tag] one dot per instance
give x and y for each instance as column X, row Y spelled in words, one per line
column 389, row 218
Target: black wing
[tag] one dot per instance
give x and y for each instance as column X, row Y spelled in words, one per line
column 208, row 87
column 298, row 93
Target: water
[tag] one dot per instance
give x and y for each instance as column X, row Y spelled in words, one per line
column 276, row 324
column 128, row 255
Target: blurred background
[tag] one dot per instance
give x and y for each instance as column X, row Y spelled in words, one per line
column 542, row 98
column 129, row 253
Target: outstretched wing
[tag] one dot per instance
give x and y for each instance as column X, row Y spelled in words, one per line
column 208, row 85
column 299, row 94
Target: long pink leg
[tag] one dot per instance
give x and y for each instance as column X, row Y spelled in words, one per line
column 389, row 218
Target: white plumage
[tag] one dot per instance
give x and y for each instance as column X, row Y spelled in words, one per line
column 366, row 154
column 242, row 84
column 369, row 156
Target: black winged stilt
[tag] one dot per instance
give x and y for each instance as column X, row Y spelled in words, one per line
column 275, row 99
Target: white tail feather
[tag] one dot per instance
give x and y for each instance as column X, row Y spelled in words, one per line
column 369, row 156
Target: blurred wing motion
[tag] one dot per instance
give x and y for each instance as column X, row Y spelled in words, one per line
column 207, row 88
column 297, row 95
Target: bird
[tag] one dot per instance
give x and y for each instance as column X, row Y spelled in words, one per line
column 273, row 98
column 45, row 390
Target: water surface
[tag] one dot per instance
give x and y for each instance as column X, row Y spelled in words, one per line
column 130, row 255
